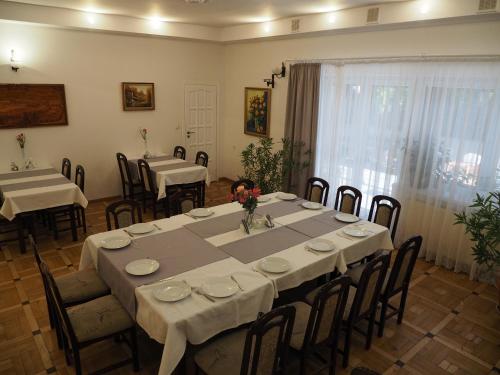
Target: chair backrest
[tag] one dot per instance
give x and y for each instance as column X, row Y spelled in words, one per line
column 248, row 184
column 183, row 201
column 147, row 180
column 125, row 174
column 402, row 268
column 55, row 300
column 369, row 286
column 66, row 168
column 180, row 152
column 125, row 212
column 348, row 200
column 327, row 311
column 267, row 340
column 317, row 190
column 385, row 211
column 201, row 158
column 80, row 177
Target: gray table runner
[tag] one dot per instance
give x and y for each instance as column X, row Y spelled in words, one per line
column 30, row 173
column 252, row 248
column 227, row 223
column 317, row 225
column 177, row 251
column 34, row 184
column 170, row 167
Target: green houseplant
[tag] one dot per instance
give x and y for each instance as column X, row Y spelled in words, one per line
column 483, row 226
column 269, row 165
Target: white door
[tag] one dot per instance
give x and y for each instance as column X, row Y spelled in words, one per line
column 200, row 123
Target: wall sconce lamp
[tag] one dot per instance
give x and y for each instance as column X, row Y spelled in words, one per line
column 15, row 64
column 278, row 72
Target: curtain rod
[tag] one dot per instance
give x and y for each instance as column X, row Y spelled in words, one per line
column 389, row 59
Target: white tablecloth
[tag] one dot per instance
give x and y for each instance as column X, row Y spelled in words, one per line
column 32, row 199
column 196, row 319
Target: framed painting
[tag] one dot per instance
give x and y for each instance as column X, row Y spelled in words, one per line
column 32, row 105
column 138, row 96
column 257, row 111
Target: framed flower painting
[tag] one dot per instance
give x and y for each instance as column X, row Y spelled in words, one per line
column 257, row 111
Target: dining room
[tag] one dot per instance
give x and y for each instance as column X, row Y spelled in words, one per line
column 265, row 187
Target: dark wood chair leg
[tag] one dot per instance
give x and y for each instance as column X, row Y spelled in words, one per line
column 72, row 219
column 369, row 334
column 402, row 305
column 20, row 235
column 347, row 345
column 84, row 219
column 78, row 363
column 383, row 313
column 135, row 351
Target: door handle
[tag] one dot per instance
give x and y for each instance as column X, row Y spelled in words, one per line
column 189, row 132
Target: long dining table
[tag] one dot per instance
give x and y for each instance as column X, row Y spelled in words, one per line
column 193, row 250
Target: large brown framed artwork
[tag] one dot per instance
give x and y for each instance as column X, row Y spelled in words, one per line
column 32, row 105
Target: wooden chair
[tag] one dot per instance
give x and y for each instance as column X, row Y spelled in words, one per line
column 317, row 190
column 88, row 323
column 348, row 200
column 262, row 349
column 66, row 168
column 248, row 184
column 129, row 183
column 14, row 230
column 385, row 211
column 72, row 214
column 318, row 326
column 149, row 189
column 178, row 201
column 180, row 152
column 362, row 302
column 125, row 213
column 74, row 288
column 396, row 281
column 201, row 159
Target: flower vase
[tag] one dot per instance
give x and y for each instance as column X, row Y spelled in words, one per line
column 147, row 154
column 23, row 153
column 248, row 218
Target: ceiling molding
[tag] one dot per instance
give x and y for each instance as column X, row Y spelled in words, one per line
column 391, row 15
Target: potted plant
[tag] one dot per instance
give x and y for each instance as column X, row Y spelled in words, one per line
column 269, row 165
column 483, row 226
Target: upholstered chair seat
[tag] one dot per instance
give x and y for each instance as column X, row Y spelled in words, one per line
column 100, row 317
column 224, row 355
column 81, row 286
column 356, row 272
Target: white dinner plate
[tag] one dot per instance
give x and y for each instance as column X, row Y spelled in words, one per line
column 346, row 218
column 172, row 291
column 141, row 228
column 286, row 196
column 355, row 232
column 219, row 287
column 312, row 205
column 200, row 212
column 117, row 242
column 320, row 244
column 141, row 267
column 274, row 265
column 263, row 199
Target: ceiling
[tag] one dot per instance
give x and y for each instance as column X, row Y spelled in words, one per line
column 218, row 13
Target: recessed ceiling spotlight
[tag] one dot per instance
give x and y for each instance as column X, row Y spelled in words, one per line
column 196, row 1
column 332, row 17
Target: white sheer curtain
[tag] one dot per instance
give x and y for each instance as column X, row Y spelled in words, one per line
column 426, row 133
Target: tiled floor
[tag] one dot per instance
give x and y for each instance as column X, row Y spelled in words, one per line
column 450, row 325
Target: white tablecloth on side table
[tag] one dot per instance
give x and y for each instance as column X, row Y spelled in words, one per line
column 38, row 198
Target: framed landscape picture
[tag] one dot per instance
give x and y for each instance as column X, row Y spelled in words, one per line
column 257, row 111
column 138, row 96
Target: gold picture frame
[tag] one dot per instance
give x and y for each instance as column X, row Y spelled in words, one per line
column 257, row 107
column 138, row 96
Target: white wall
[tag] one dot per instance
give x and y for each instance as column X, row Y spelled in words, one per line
column 248, row 63
column 92, row 67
